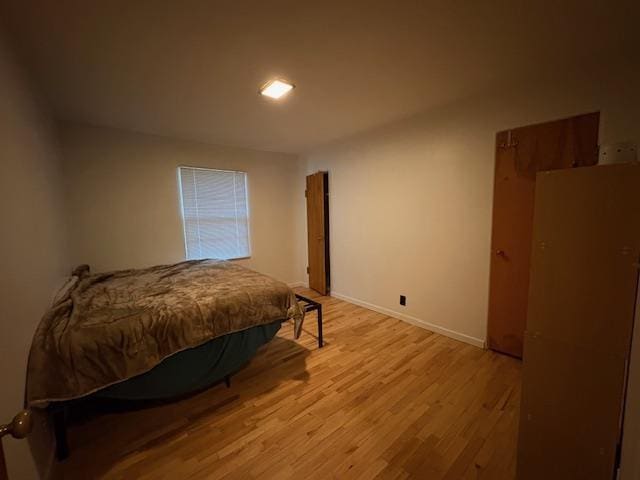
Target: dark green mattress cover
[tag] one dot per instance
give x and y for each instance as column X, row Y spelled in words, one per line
column 196, row 368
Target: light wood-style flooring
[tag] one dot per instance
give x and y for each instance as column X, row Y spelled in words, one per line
column 383, row 399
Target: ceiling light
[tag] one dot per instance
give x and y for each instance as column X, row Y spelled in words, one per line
column 276, row 89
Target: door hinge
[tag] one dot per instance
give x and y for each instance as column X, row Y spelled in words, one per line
column 308, row 270
column 305, row 193
column 511, row 143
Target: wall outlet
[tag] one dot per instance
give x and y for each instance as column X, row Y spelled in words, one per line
column 403, row 300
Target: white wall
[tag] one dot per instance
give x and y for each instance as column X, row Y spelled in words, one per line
column 411, row 202
column 32, row 245
column 410, row 205
column 124, row 203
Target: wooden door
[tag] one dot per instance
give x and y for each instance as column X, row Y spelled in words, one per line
column 317, row 194
column 520, row 154
column 584, row 279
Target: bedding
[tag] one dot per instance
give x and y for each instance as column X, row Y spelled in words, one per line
column 65, row 288
column 194, row 369
column 110, row 327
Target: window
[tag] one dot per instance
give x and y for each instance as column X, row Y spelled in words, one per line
column 215, row 213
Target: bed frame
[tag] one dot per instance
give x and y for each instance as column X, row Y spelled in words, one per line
column 59, row 411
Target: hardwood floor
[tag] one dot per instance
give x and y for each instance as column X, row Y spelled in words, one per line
column 383, row 399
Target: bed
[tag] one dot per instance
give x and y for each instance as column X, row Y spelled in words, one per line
column 153, row 334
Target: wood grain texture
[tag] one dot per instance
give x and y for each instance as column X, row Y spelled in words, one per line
column 383, row 399
column 584, row 279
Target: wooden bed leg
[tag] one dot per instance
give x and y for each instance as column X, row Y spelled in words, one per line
column 227, row 381
column 320, row 341
column 60, row 431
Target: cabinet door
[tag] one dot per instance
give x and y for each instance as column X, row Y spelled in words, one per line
column 584, row 276
column 570, row 411
column 586, row 246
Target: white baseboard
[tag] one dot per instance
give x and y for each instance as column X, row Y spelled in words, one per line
column 297, row 284
column 477, row 342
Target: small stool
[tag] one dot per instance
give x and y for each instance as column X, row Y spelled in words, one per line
column 309, row 306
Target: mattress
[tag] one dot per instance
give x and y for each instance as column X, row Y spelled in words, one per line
column 196, row 368
column 114, row 326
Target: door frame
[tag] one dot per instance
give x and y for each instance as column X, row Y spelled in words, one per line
column 325, row 228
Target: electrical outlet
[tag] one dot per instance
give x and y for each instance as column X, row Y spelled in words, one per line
column 403, row 300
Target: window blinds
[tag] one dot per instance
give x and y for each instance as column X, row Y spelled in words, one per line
column 215, row 213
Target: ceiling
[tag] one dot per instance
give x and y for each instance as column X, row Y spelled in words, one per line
column 192, row 68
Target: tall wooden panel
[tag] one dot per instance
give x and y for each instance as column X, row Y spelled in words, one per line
column 317, row 194
column 584, row 278
column 520, row 154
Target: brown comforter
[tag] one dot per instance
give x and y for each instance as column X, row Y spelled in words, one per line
column 112, row 326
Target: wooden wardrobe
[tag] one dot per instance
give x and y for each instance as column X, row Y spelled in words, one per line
column 582, row 300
